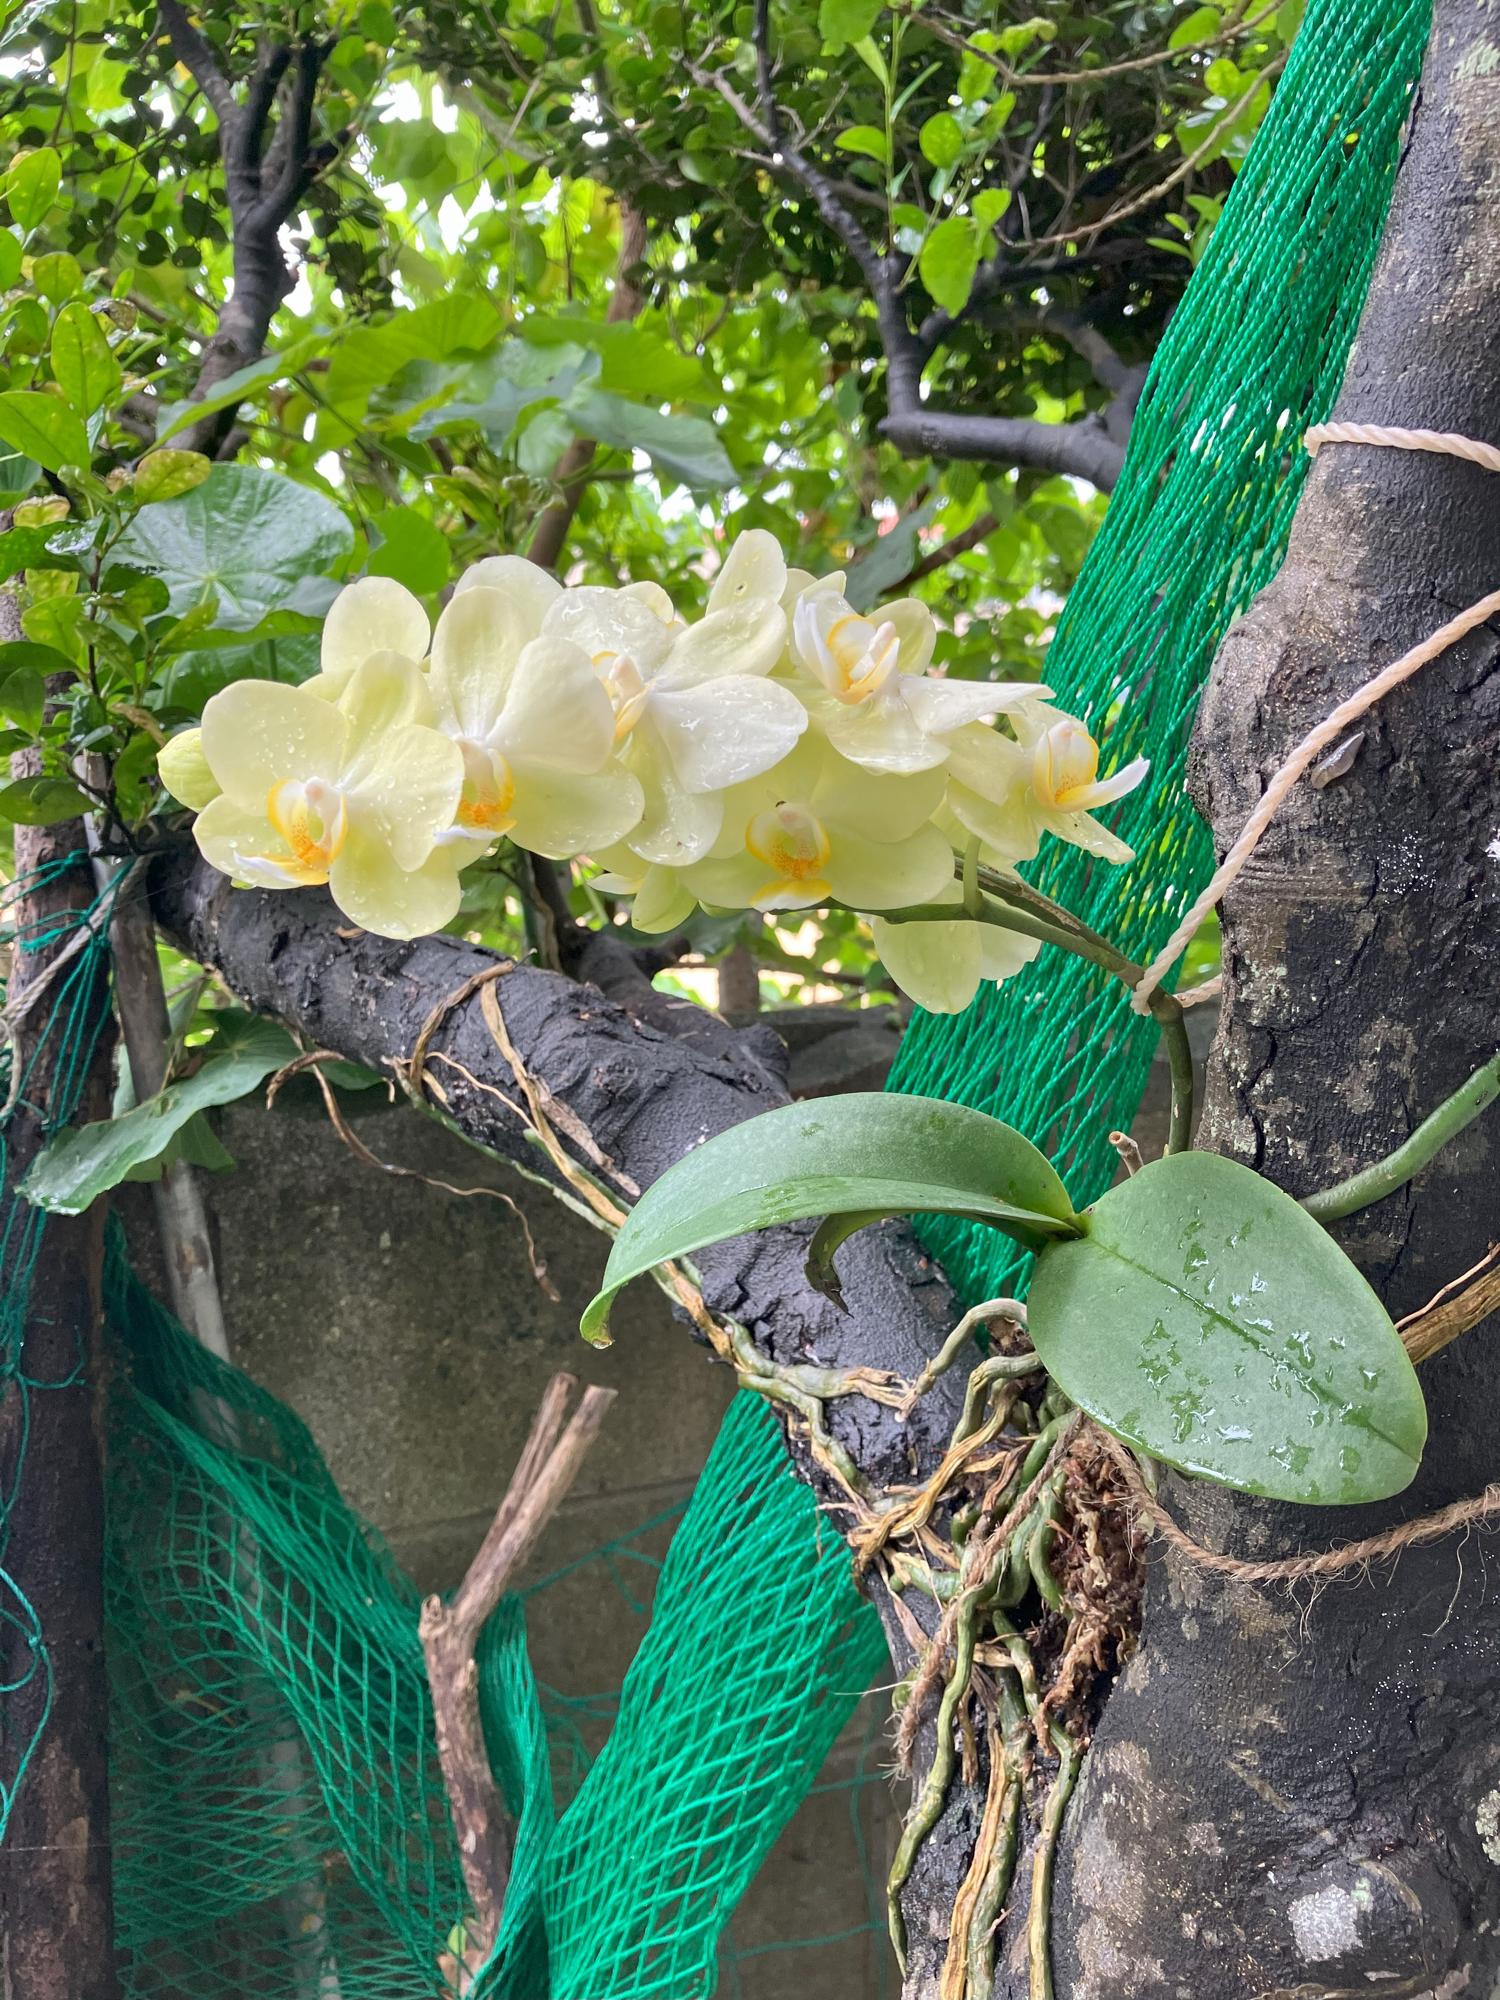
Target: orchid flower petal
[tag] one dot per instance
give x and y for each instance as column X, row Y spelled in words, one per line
column 721, row 734
column 390, row 901
column 882, row 874
column 560, row 813
column 747, row 638
column 557, row 714
column 530, row 590
column 753, row 568
column 374, row 615
column 257, row 734
column 478, row 640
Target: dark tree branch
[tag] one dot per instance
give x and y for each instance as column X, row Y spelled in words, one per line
column 263, row 187
column 1089, row 448
column 198, row 59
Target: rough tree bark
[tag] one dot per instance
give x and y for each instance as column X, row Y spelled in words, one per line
column 1293, row 1798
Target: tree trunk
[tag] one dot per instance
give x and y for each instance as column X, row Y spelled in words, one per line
column 56, row 1929
column 1299, row 1794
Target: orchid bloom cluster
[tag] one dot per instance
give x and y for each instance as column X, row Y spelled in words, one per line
column 782, row 752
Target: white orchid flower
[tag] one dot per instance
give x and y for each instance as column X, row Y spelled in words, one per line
column 881, row 708
column 533, row 723
column 818, row 829
column 694, row 709
column 355, row 793
column 941, row 965
column 1010, row 793
column 374, row 615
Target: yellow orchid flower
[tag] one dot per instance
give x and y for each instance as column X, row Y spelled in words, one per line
column 695, row 710
column 880, row 707
column 354, row 793
column 183, row 769
column 941, row 965
column 660, row 898
column 1010, row 793
column 534, row 726
column 818, row 829
column 374, row 615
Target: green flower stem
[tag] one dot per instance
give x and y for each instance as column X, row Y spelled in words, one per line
column 1012, row 905
column 1375, row 1182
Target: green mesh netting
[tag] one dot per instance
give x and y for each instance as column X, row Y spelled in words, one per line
column 64, row 1026
column 280, row 1827
column 1197, row 525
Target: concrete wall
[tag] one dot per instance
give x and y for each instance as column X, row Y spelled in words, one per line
column 406, row 1328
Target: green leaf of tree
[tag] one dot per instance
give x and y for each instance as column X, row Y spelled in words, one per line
column 949, row 259
column 245, row 535
column 234, row 388
column 82, row 365
column 867, row 140
column 680, row 448
column 863, row 1154
column 31, row 186
column 1206, row 1317
column 41, row 801
column 841, row 21
column 44, row 428
column 942, row 140
column 85, row 1161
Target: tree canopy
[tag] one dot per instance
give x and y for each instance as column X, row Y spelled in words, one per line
column 300, row 294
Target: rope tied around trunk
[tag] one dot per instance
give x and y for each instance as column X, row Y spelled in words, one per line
column 1432, row 1527
column 1332, row 727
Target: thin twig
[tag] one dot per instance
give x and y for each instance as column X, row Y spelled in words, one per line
column 548, row 1465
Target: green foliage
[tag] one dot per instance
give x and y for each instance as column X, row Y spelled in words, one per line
column 1195, row 1309
column 447, row 344
column 864, row 1155
column 1207, row 1318
column 85, row 1161
column 244, row 541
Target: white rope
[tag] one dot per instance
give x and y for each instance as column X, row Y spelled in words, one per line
column 1332, row 727
column 1446, row 442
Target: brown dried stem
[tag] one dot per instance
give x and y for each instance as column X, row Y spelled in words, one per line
column 548, row 1465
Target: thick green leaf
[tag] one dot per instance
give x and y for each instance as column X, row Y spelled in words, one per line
column 84, row 1161
column 43, row 428
column 866, row 139
column 83, row 365
column 634, row 359
column 942, row 139
column 411, row 550
column 21, row 699
column 868, row 1154
column 163, row 475
column 680, row 448
column 1206, row 1317
column 244, row 535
